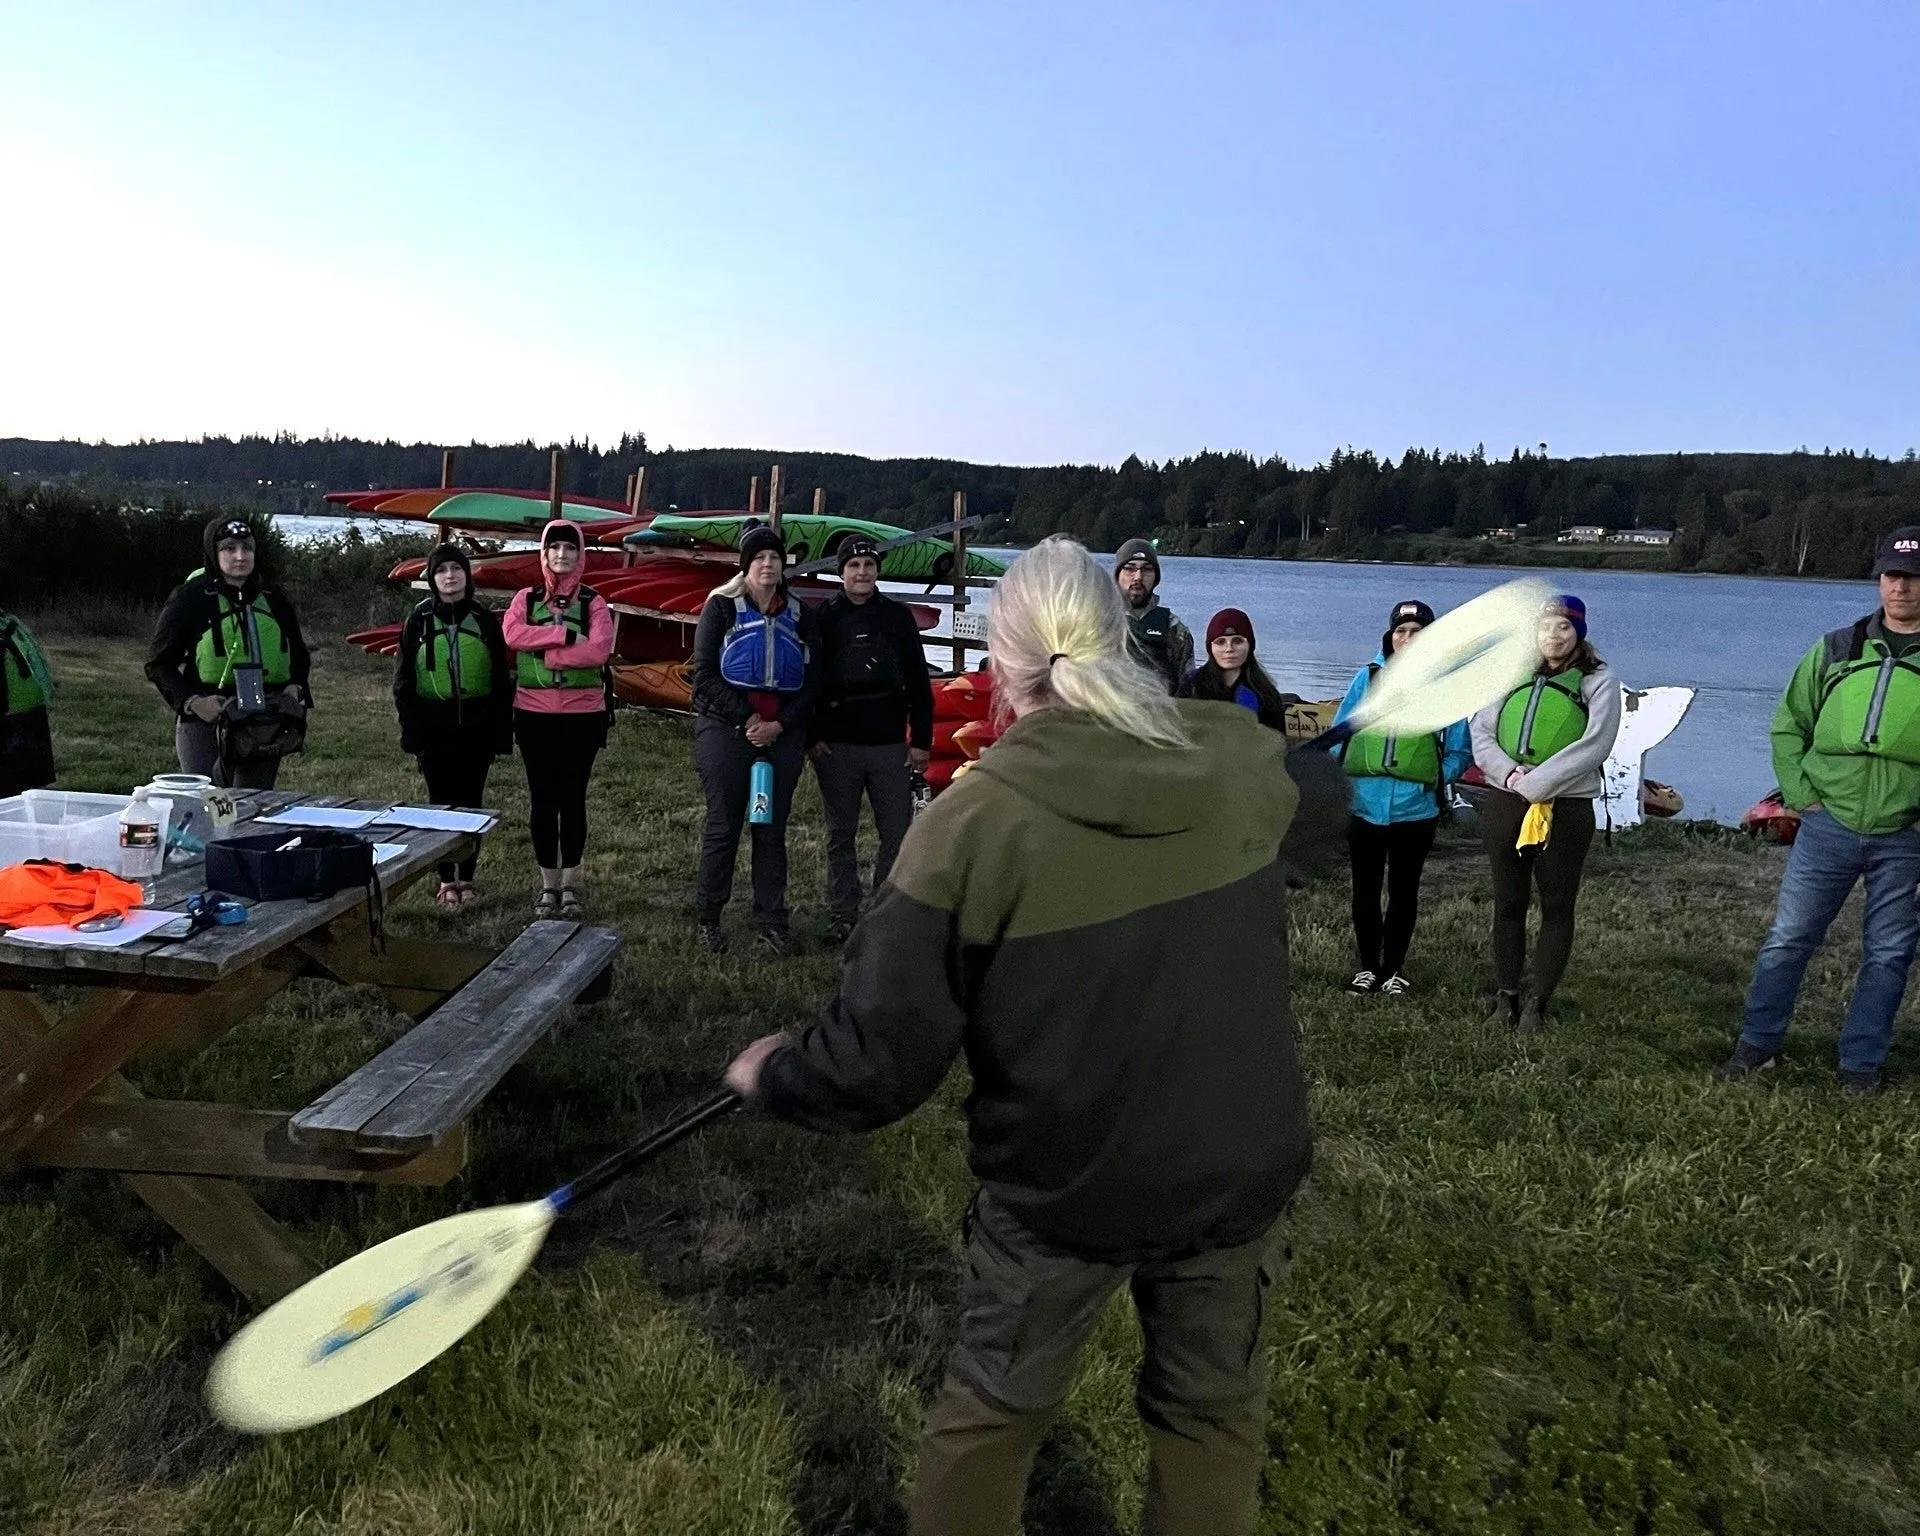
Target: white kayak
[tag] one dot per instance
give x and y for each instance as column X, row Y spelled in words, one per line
column 1648, row 716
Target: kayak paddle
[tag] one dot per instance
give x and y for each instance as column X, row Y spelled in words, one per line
column 372, row 1320
column 1458, row 664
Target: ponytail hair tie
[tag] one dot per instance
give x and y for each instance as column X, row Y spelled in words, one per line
column 1056, row 656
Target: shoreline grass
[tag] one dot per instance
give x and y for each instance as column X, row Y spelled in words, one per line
column 1564, row 1285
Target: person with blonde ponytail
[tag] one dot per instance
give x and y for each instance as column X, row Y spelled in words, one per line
column 1096, row 914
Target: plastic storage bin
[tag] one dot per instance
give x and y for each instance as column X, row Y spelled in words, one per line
column 66, row 825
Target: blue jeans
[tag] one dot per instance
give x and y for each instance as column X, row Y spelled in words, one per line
column 1826, row 860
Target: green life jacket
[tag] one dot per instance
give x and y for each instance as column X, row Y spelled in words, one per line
column 532, row 671
column 240, row 634
column 24, row 678
column 462, row 669
column 1542, row 717
column 1869, row 700
column 1371, row 754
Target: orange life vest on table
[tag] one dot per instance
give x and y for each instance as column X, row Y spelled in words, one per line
column 41, row 892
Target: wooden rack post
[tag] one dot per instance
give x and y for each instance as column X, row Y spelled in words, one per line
column 959, row 577
column 556, row 482
column 753, row 497
column 819, row 501
column 637, row 491
column 446, row 469
column 773, row 499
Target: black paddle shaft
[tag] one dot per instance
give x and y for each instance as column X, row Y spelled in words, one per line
column 627, row 1159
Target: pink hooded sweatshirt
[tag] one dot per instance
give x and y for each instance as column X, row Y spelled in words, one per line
column 591, row 650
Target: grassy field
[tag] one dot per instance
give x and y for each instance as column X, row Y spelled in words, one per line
column 1554, row 1286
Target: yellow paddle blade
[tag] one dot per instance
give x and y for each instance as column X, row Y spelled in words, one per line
column 373, row 1320
column 1458, row 664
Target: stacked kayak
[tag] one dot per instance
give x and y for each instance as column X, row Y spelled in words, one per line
column 963, row 726
column 814, row 538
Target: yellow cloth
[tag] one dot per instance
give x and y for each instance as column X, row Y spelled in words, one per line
column 1536, row 827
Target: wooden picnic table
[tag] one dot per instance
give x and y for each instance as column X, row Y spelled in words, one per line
column 399, row 1119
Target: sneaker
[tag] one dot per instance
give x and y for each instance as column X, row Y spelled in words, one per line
column 839, row 931
column 1506, row 1011
column 1865, row 1083
column 1364, row 981
column 547, row 904
column 1744, row 1062
column 1396, row 985
column 714, row 938
column 779, row 940
column 1533, row 1016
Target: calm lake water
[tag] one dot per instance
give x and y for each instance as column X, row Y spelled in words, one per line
column 1735, row 639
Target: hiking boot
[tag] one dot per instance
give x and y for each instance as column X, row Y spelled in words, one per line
column 1396, row 985
column 1533, row 1016
column 1364, row 981
column 1744, row 1062
column 778, row 940
column 1866, row 1082
column 839, row 931
column 713, row 938
column 1506, row 1010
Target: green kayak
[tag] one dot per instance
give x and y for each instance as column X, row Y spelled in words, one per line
column 813, row 538
column 491, row 509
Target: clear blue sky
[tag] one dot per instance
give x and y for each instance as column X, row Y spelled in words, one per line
column 1021, row 232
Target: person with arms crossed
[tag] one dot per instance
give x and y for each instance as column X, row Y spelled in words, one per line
column 1846, row 750
column 1096, row 915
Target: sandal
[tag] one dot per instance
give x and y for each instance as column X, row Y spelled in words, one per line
column 571, row 904
column 547, row 904
column 448, row 895
column 469, row 893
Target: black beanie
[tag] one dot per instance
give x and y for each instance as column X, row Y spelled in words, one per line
column 1412, row 611
column 1137, row 549
column 856, row 548
column 226, row 526
column 448, row 554
column 757, row 540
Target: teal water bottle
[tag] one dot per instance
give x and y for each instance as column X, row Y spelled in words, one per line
column 760, row 793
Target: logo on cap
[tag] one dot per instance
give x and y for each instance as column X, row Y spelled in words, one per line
column 1906, row 546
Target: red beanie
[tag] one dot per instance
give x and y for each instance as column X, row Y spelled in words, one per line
column 1230, row 621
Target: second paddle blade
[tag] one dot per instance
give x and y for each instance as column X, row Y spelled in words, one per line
column 373, row 1320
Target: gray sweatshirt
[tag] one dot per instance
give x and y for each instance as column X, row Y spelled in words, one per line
column 1570, row 775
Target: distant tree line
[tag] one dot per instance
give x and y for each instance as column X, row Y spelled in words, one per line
column 1796, row 513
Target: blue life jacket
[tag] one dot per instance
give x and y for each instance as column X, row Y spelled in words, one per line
column 764, row 651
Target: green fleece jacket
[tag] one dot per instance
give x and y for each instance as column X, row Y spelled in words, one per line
column 1101, row 926
column 1865, row 793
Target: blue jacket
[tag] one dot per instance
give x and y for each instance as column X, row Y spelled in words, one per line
column 1385, row 801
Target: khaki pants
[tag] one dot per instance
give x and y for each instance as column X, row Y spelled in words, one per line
column 1026, row 1312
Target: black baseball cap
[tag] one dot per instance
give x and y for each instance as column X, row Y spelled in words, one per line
column 1899, row 551
column 1412, row 611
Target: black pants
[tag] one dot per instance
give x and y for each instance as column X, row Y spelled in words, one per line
column 1555, row 869
column 455, row 768
column 846, row 772
column 1394, row 854
column 724, row 758
column 559, row 751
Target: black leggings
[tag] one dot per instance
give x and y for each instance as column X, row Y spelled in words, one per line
column 1395, row 854
column 456, row 773
column 559, row 751
column 1555, row 869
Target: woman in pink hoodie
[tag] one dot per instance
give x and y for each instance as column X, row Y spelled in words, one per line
column 561, row 633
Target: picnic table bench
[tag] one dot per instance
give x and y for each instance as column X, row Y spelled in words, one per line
column 400, row 1118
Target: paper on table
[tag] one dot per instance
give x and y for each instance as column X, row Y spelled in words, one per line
column 335, row 816
column 428, row 819
column 138, row 924
column 384, row 851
